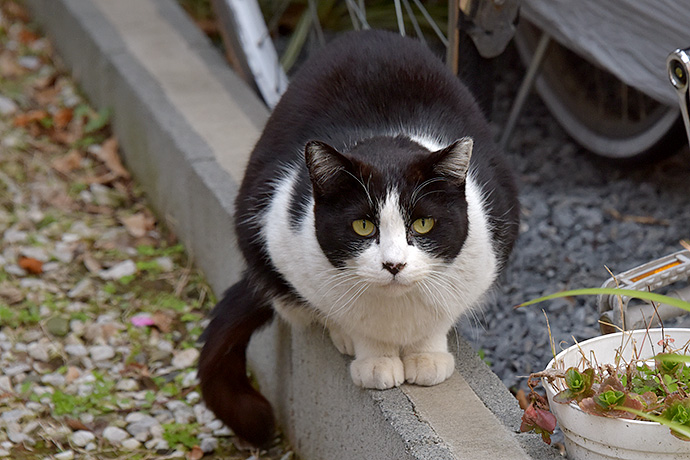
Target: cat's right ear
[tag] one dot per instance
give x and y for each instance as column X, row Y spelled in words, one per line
column 325, row 165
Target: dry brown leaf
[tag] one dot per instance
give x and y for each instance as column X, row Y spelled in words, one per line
column 109, row 156
column 68, row 162
column 62, row 117
column 91, row 264
column 14, row 10
column 10, row 294
column 644, row 220
column 9, row 68
column 27, row 36
column 195, row 454
column 72, row 374
column 163, row 321
column 31, row 265
column 139, row 224
column 30, row 117
column 522, row 398
column 76, row 424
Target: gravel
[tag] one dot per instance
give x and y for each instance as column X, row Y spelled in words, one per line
column 100, row 307
column 580, row 215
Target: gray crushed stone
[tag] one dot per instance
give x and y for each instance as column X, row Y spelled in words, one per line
column 575, row 215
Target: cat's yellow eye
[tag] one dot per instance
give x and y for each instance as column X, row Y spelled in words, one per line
column 363, row 227
column 423, row 225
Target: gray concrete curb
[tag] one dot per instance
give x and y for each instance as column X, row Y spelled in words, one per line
column 186, row 124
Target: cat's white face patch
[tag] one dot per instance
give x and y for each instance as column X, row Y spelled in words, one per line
column 391, row 262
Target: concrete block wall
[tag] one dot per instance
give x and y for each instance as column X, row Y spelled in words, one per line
column 186, row 125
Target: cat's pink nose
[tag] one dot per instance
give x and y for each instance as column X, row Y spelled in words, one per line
column 393, row 267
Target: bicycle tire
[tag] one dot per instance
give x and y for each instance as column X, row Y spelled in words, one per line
column 655, row 134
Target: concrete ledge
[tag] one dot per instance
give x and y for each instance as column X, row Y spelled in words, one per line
column 186, row 125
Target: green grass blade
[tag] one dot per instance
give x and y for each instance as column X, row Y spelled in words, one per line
column 675, row 426
column 644, row 295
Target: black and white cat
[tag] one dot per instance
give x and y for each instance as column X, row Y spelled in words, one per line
column 376, row 204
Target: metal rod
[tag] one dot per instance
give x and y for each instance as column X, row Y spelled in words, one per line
column 415, row 23
column 398, row 14
column 525, row 88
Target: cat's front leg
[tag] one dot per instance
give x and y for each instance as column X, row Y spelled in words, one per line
column 341, row 339
column 428, row 362
column 376, row 365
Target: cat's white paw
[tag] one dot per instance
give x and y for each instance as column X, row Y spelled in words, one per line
column 381, row 372
column 342, row 341
column 428, row 368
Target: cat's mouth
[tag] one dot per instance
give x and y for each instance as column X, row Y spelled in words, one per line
column 396, row 285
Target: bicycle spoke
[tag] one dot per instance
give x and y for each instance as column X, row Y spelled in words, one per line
column 432, row 23
column 399, row 16
column 413, row 19
column 359, row 11
column 315, row 21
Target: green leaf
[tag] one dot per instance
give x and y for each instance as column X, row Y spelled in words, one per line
column 644, row 295
column 98, row 122
column 610, row 398
column 678, row 413
column 672, row 358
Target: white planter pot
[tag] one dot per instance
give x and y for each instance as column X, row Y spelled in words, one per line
column 592, row 437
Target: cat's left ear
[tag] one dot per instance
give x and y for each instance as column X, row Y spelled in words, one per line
column 453, row 161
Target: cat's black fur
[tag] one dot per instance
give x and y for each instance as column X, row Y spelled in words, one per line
column 353, row 95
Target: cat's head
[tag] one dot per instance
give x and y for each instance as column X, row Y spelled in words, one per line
column 389, row 209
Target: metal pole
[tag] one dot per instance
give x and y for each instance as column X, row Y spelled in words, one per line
column 525, row 88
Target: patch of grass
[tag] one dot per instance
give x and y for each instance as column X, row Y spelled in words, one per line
column 179, row 433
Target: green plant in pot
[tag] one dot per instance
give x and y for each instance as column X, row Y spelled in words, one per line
column 624, row 395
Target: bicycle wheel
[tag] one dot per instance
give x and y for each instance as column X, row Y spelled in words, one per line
column 607, row 117
column 265, row 39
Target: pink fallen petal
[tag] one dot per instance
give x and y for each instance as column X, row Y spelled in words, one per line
column 142, row 321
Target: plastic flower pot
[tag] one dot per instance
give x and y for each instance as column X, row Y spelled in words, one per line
column 593, row 437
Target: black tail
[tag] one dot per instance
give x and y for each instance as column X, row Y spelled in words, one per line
column 222, row 364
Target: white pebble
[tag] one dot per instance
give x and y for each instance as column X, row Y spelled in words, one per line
column 65, row 455
column 7, row 106
column 101, row 352
column 165, row 264
column 185, row 358
column 79, row 289
column 82, row 437
column 115, row 435
column 76, row 349
column 130, row 444
column 120, row 270
column 208, row 445
column 38, row 351
column 127, row 385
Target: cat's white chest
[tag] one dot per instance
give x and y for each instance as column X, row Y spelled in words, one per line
column 426, row 296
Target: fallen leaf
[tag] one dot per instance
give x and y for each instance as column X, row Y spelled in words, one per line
column 29, row 117
column 162, row 321
column 68, row 162
column 91, row 263
column 9, row 68
column 76, row 424
column 10, row 294
column 72, row 374
column 195, row 454
column 107, row 153
column 31, row 265
column 139, row 224
column 62, row 117
column 522, row 398
column 27, row 36
column 14, row 10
